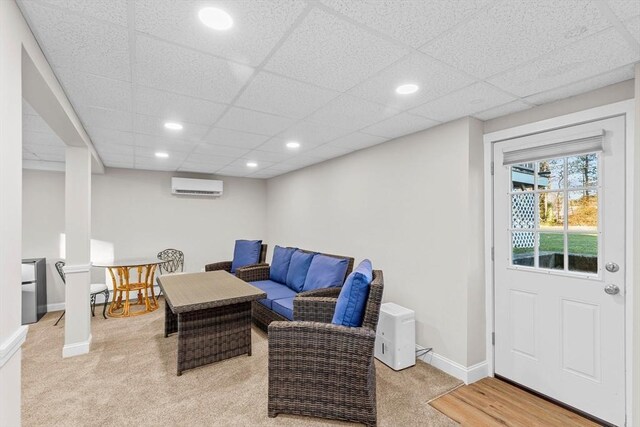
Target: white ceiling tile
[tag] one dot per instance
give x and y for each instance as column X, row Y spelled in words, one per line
column 241, row 164
column 357, row 141
column 309, row 134
column 433, row 77
column 328, row 151
column 233, row 171
column 106, row 118
column 503, row 110
column 156, row 166
column 28, row 155
column 465, row 102
column 48, row 153
column 301, row 161
column 409, row 21
column 257, row 25
column 219, row 150
column 510, row 33
column 155, row 126
column 233, row 138
column 605, row 51
column 27, row 109
column 332, row 53
column 127, row 164
column 115, row 150
column 86, row 89
column 209, row 160
column 400, row 125
column 624, row 9
column 265, row 174
column 270, row 156
column 633, row 25
column 84, row 44
column 283, row 96
column 100, row 135
column 244, row 120
column 144, row 155
column 110, row 158
column 197, row 168
column 609, row 78
column 157, row 143
column 177, row 108
column 47, row 138
column 348, row 112
column 166, row 66
column 113, row 11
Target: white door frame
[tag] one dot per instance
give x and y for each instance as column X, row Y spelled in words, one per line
column 625, row 109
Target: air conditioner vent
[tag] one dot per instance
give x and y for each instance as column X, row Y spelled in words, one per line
column 196, row 187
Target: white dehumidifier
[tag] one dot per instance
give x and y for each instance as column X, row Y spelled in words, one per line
column 396, row 336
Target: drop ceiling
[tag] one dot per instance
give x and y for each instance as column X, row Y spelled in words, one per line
column 322, row 73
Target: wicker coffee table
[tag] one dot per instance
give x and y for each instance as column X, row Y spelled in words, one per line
column 211, row 313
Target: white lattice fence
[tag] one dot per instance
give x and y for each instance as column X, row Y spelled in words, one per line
column 523, row 209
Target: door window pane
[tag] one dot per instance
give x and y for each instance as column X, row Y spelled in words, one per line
column 522, row 177
column 583, row 252
column 551, row 210
column 522, row 244
column 583, row 171
column 583, row 210
column 523, row 210
column 551, row 251
column 551, row 174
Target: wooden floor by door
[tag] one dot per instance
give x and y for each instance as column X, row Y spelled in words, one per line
column 491, row 402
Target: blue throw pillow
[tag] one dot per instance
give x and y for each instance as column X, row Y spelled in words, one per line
column 298, row 267
column 280, row 264
column 353, row 297
column 246, row 252
column 325, row 272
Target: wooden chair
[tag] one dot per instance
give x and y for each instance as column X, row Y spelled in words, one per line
column 94, row 290
column 324, row 370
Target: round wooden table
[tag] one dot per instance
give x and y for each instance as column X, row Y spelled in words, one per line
column 131, row 275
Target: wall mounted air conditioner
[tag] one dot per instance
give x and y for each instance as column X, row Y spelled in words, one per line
column 396, row 336
column 196, row 187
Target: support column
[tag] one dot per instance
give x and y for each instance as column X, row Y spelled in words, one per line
column 636, row 258
column 12, row 333
column 77, row 325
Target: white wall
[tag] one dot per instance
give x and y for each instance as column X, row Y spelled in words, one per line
column 407, row 205
column 136, row 212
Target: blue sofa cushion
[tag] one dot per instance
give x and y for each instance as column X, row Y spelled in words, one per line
column 280, row 264
column 284, row 307
column 274, row 291
column 325, row 272
column 246, row 252
column 298, row 267
column 353, row 296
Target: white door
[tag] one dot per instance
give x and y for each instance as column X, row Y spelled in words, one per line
column 559, row 237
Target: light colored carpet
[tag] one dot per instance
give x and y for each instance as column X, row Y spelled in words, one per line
column 130, row 378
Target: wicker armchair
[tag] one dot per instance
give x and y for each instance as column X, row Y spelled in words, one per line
column 226, row 265
column 323, row 370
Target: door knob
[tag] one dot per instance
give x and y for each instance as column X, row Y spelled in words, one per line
column 612, row 289
column 612, row 267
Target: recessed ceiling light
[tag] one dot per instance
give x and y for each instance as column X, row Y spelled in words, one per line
column 162, row 155
column 252, row 164
column 293, row 144
column 215, row 18
column 407, row 89
column 173, row 126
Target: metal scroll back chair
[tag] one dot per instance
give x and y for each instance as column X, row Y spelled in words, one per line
column 95, row 289
column 174, row 262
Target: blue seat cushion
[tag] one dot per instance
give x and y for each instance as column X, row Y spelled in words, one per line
column 353, row 296
column 246, row 252
column 298, row 267
column 280, row 264
column 274, row 291
column 284, row 307
column 325, row 272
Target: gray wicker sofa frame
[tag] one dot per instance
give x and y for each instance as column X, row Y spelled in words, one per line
column 262, row 316
column 324, row 370
column 226, row 265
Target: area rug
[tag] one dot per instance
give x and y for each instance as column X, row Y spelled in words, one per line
column 129, row 377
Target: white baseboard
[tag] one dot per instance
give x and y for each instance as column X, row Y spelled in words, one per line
column 12, row 344
column 468, row 375
column 59, row 306
column 70, row 350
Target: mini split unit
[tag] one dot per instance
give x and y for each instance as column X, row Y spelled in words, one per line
column 196, row 187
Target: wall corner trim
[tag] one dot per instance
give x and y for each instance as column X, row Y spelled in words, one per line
column 12, row 344
column 468, row 375
column 77, row 349
column 79, row 268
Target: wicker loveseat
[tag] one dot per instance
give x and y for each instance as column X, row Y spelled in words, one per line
column 262, row 312
column 226, row 265
column 324, row 370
